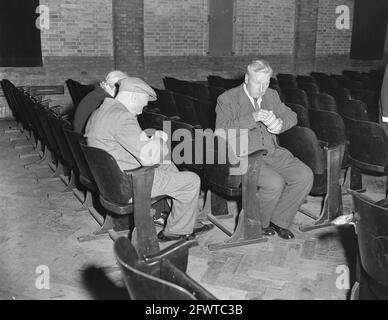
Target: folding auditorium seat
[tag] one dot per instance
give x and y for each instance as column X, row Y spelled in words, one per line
column 297, row 96
column 355, row 109
column 157, row 277
column 325, row 163
column 368, row 149
column 302, row 114
column 322, row 101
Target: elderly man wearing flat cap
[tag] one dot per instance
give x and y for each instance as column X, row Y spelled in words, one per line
column 114, row 128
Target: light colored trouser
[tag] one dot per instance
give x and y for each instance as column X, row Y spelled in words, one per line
column 284, row 183
column 183, row 187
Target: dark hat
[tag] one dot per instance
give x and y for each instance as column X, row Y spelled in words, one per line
column 132, row 84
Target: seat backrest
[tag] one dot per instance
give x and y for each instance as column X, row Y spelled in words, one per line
column 368, row 141
column 339, row 94
column 355, row 109
column 159, row 281
column 297, row 96
column 167, row 103
column 305, row 79
column 43, row 113
column 219, row 159
column 302, row 114
column 186, row 109
column 303, row 144
column 371, row 100
column 59, row 125
column 372, row 234
column 151, row 120
column 178, row 86
column 200, row 91
column 322, row 101
column 328, row 126
column 206, row 113
column 309, row 87
column 74, row 140
column 114, row 185
column 215, row 92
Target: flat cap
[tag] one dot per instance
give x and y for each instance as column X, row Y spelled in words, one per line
column 132, row 84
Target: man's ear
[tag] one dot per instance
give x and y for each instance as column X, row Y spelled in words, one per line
column 246, row 79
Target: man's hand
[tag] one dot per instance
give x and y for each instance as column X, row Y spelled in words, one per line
column 261, row 115
column 161, row 134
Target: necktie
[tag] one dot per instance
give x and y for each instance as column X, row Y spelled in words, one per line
column 256, row 104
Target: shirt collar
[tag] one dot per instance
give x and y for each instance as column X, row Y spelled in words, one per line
column 250, row 98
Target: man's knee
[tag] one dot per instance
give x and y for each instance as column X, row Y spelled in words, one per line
column 274, row 185
column 192, row 180
column 305, row 176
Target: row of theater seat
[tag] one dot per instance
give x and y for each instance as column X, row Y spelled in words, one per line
column 323, row 158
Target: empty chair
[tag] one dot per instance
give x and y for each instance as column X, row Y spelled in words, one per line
column 151, row 120
column 309, row 87
column 328, row 126
column 186, row 109
column 217, row 81
column 279, row 91
column 352, row 84
column 355, row 109
column 325, row 163
column 371, row 223
column 287, row 80
column 167, row 103
column 215, row 92
column 370, row 98
column 200, row 91
column 178, row 86
column 156, row 277
column 297, row 96
column 339, row 94
column 206, row 113
column 305, row 79
column 322, row 101
column 302, row 114
column 352, row 74
column 368, row 149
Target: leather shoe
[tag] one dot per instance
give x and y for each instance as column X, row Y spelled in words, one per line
column 282, row 233
column 163, row 238
column 268, row 231
column 204, row 228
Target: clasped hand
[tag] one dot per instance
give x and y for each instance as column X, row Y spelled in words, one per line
column 268, row 118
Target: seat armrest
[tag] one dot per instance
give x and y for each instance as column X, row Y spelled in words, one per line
column 323, row 144
column 175, row 118
column 262, row 152
column 141, row 170
column 180, row 246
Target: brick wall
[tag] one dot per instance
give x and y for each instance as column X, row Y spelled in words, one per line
column 77, row 45
column 333, row 45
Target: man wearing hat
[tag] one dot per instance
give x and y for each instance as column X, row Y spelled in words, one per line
column 94, row 99
column 114, row 128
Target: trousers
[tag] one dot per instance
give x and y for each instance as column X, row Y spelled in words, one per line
column 284, row 182
column 183, row 187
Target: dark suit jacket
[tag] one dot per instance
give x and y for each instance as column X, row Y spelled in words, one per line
column 87, row 105
column 234, row 111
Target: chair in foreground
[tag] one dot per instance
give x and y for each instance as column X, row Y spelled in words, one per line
column 230, row 177
column 371, row 222
column 157, row 277
column 368, row 150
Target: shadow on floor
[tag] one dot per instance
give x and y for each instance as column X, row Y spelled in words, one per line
column 101, row 287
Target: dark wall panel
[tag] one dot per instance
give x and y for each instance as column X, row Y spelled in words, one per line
column 369, row 27
column 19, row 37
